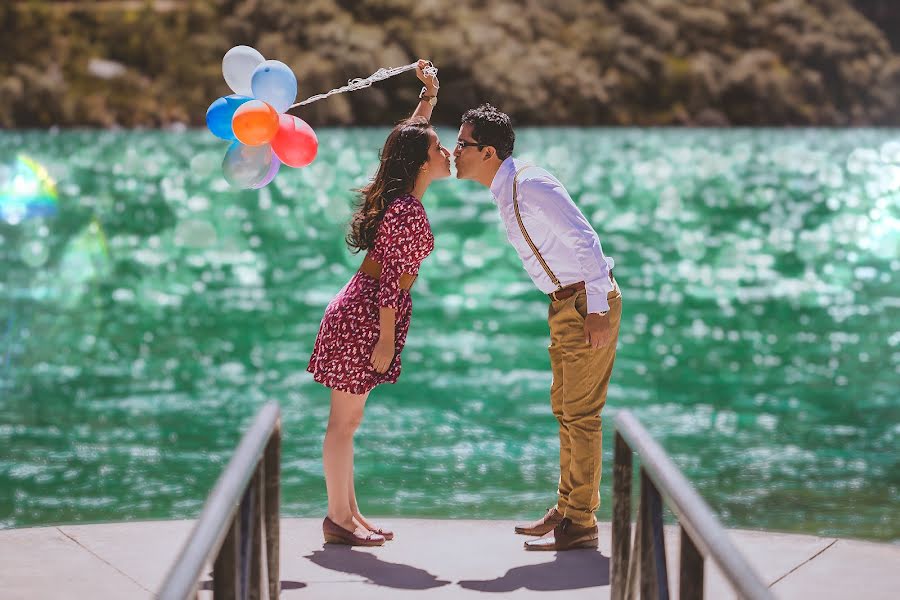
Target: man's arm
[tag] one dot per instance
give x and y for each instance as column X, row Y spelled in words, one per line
column 424, row 107
column 546, row 200
column 549, row 202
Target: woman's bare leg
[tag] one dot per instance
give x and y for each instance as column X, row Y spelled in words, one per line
column 337, row 454
column 358, row 518
column 354, row 506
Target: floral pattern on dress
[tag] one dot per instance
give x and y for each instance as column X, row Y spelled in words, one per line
column 350, row 327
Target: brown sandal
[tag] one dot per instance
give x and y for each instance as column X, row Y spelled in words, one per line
column 388, row 535
column 335, row 534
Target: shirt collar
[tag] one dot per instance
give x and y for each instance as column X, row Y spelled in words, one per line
column 501, row 177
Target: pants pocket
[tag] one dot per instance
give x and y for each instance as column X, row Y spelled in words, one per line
column 581, row 304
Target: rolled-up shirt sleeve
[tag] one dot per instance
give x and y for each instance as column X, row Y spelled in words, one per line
column 545, row 199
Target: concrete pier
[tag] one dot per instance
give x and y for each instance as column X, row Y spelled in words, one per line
column 433, row 558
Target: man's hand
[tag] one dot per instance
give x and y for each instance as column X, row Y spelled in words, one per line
column 597, row 330
column 383, row 354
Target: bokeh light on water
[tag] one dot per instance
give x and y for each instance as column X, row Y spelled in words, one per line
column 146, row 321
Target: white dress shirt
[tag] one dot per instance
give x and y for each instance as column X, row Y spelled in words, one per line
column 560, row 232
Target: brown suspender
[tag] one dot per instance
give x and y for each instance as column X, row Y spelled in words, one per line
column 525, row 233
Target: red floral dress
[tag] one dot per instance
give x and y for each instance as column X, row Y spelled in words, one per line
column 350, row 328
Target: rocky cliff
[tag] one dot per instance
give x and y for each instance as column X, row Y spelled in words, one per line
column 618, row 62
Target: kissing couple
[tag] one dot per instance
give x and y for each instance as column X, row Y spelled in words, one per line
column 364, row 328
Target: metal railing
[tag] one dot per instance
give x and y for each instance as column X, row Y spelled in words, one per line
column 238, row 529
column 702, row 536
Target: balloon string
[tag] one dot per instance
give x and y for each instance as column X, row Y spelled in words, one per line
column 359, row 84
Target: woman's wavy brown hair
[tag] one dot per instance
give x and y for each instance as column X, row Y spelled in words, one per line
column 404, row 153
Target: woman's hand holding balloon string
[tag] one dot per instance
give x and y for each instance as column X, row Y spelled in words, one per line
column 427, row 74
column 431, row 81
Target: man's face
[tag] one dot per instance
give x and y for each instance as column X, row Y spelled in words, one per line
column 467, row 155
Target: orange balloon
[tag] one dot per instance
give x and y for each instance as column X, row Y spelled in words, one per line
column 255, row 123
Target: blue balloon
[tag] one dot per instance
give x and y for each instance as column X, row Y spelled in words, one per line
column 219, row 114
column 274, row 82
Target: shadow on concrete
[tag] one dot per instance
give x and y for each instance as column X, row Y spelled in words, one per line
column 285, row 585
column 570, row 570
column 377, row 571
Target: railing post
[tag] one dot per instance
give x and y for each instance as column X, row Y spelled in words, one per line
column 690, row 586
column 634, row 569
column 226, row 576
column 621, row 525
column 248, row 530
column 654, row 576
column 272, row 461
column 257, row 531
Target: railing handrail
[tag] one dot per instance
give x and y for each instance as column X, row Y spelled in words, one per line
column 212, row 526
column 692, row 511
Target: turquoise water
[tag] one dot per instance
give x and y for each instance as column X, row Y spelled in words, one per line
column 145, row 323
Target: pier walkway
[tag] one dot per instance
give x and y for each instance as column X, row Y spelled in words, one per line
column 428, row 559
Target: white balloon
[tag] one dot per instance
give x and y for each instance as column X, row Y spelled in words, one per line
column 237, row 68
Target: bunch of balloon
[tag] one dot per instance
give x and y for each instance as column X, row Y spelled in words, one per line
column 253, row 118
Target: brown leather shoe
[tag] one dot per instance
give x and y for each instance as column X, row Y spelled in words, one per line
column 542, row 526
column 335, row 534
column 566, row 536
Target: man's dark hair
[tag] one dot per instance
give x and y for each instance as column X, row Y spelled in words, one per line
column 491, row 128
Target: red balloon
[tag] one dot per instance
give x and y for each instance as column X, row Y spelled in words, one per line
column 295, row 143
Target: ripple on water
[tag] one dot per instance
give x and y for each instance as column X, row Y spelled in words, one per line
column 148, row 320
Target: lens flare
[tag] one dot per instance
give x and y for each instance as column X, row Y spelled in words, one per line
column 26, row 191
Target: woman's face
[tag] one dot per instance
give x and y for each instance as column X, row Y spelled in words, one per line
column 438, row 163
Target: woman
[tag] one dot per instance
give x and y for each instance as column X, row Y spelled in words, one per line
column 364, row 328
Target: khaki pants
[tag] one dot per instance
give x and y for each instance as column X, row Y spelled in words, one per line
column 577, row 395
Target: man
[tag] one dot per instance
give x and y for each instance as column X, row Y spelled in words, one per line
column 562, row 254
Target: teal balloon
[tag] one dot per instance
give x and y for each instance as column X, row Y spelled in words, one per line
column 248, row 167
column 220, row 113
column 273, row 82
